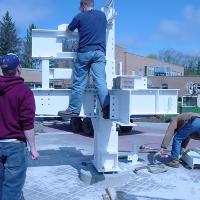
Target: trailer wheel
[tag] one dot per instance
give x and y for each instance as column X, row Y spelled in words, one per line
column 87, row 127
column 76, row 124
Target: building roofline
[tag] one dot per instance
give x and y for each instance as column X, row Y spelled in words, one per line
column 147, row 57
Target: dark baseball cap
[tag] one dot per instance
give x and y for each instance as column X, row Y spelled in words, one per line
column 10, row 61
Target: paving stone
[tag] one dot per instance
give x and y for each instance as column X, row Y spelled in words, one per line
column 55, row 176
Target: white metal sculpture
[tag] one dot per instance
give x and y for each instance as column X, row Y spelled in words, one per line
column 48, row 44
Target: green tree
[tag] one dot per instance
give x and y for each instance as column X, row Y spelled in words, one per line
column 28, row 62
column 53, row 63
column 152, row 56
column 9, row 41
column 190, row 71
column 198, row 67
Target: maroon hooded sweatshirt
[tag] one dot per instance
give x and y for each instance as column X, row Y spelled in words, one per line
column 17, row 108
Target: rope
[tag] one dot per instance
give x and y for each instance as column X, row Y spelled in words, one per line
column 156, row 167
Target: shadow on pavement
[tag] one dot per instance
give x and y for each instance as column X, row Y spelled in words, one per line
column 61, row 126
column 68, row 156
column 132, row 132
column 66, row 127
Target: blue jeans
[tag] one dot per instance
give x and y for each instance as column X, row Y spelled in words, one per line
column 192, row 126
column 94, row 61
column 13, row 170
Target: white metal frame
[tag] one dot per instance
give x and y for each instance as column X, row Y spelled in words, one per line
column 47, row 44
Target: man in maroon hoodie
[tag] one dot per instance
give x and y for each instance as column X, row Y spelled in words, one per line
column 17, row 112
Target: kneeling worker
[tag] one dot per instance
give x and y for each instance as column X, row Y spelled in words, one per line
column 182, row 128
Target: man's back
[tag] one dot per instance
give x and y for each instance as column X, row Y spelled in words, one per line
column 17, row 111
column 91, row 26
column 17, row 107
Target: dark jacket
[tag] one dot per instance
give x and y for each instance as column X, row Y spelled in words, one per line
column 177, row 123
column 17, row 108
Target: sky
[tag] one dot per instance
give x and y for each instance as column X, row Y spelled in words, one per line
column 142, row 26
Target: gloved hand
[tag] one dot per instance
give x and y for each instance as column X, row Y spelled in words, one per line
column 162, row 153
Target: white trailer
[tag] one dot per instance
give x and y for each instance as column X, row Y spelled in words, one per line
column 48, row 44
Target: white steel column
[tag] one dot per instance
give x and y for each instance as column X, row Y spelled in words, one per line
column 105, row 145
column 110, row 43
column 45, row 74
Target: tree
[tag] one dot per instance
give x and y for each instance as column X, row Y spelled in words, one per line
column 9, row 41
column 176, row 57
column 53, row 63
column 171, row 56
column 198, row 66
column 28, row 62
column 152, row 56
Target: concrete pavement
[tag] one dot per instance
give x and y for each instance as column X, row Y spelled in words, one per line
column 55, row 176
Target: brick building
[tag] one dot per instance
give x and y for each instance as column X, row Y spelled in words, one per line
column 171, row 76
column 170, row 82
column 131, row 64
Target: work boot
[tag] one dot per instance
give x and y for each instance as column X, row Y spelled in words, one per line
column 106, row 112
column 68, row 112
column 173, row 163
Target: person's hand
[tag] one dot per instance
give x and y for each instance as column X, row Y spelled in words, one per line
column 162, row 153
column 34, row 154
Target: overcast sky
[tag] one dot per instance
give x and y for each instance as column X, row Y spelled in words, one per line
column 142, row 26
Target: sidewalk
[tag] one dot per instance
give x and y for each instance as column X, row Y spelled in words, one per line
column 55, row 176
